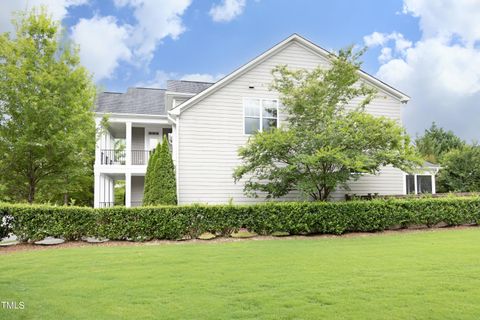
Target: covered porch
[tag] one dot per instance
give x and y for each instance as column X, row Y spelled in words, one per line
column 120, row 189
column 125, row 143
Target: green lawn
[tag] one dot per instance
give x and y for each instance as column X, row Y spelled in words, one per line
column 424, row 275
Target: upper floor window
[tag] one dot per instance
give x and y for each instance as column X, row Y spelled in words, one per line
column 260, row 115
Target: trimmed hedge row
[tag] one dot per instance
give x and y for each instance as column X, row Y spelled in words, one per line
column 174, row 222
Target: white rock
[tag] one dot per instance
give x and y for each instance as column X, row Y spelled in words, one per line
column 50, row 241
column 8, row 243
column 94, row 240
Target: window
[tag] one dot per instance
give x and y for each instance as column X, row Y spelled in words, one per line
column 410, row 184
column 424, row 184
column 418, row 184
column 260, row 115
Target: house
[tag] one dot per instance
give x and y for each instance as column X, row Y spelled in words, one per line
column 206, row 123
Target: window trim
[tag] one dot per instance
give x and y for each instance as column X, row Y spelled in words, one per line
column 260, row 113
column 415, row 180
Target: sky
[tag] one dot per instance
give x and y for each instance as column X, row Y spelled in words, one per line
column 428, row 49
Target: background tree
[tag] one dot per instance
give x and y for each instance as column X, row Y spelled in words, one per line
column 47, row 131
column 160, row 181
column 328, row 141
column 436, row 142
column 461, row 170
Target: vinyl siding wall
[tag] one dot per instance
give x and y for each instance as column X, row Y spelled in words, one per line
column 211, row 131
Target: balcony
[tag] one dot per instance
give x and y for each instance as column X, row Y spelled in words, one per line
column 118, row 157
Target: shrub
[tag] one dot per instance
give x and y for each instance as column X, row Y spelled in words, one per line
column 175, row 222
column 147, row 198
column 160, row 183
column 35, row 222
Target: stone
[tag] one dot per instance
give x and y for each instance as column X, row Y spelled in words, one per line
column 206, row 236
column 185, row 238
column 243, row 233
column 95, row 240
column 50, row 241
column 280, row 234
column 8, row 243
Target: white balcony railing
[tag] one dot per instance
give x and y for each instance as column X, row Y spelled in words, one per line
column 118, row 157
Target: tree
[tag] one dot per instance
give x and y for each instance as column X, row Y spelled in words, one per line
column 461, row 170
column 149, row 176
column 160, row 181
column 47, row 131
column 436, row 142
column 328, row 141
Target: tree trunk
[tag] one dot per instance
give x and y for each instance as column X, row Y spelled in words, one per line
column 65, row 195
column 31, row 191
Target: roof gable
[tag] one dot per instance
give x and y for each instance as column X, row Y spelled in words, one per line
column 280, row 46
column 185, row 86
column 146, row 101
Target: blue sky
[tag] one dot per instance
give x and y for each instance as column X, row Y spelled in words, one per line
column 217, row 48
column 428, row 49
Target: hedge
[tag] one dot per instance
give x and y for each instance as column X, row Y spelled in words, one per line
column 33, row 222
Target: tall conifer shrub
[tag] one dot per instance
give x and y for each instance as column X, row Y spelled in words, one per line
column 160, row 181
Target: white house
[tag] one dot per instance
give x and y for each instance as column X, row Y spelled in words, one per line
column 206, row 124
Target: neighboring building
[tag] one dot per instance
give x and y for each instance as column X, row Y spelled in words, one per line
column 206, row 124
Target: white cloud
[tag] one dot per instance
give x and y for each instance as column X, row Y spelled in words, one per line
column 445, row 18
column 385, row 55
column 202, row 77
column 57, row 8
column 103, row 44
column 159, row 80
column 381, row 39
column 227, row 10
column 156, row 20
column 375, row 39
column 441, row 71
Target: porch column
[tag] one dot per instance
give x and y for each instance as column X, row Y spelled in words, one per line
column 98, row 143
column 128, row 147
column 434, row 188
column 96, row 190
column 416, row 184
column 128, row 190
column 112, row 191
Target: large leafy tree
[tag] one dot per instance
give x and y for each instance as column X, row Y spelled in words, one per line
column 160, row 181
column 436, row 142
column 328, row 139
column 461, row 170
column 47, row 131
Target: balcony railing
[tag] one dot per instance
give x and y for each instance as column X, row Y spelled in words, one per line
column 106, row 204
column 140, row 157
column 118, row 157
column 112, row 157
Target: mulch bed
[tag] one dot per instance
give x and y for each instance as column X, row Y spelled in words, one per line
column 77, row 244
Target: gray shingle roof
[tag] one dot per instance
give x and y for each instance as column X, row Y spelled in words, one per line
column 430, row 165
column 135, row 100
column 185, row 86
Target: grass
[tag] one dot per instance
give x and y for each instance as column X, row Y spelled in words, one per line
column 424, row 275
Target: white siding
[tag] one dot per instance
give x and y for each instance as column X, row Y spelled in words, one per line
column 211, row 131
column 390, row 181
